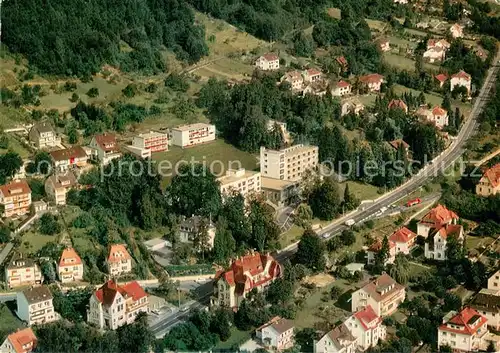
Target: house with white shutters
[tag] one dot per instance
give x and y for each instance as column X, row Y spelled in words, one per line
column 366, row 326
column 338, row 340
column 463, row 331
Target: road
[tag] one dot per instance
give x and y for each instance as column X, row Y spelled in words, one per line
column 439, row 164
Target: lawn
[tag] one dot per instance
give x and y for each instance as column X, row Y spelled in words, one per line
column 360, row 190
column 32, row 241
column 237, row 338
column 9, row 322
column 218, row 156
column 11, row 117
column 226, row 68
column 375, row 24
column 405, row 63
column 15, row 146
column 291, row 236
column 367, row 99
column 416, row 32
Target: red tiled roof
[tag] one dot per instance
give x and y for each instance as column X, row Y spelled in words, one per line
column 439, row 216
column 377, row 245
column 118, row 252
column 21, row 338
column 68, row 153
column 402, row 235
column 107, row 293
column 371, row 78
column 397, row 103
column 398, row 142
column 366, row 316
column 342, row 84
column 468, row 318
column 493, row 175
column 67, row 255
column 270, row 56
column 450, row 229
column 341, row 60
column 134, row 290
column 106, row 141
column 462, row 75
column 294, row 75
column 18, row 187
column 441, row 77
column 439, row 111
column 313, row 72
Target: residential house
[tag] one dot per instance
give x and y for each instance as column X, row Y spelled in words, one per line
column 70, row 266
column 343, row 64
column 352, row 105
column 318, row 88
column 383, row 294
column 253, row 270
column 398, row 104
column 15, row 199
column 288, row 163
column 69, row 158
column 119, row 260
column 441, row 43
column 34, row 306
column 494, row 282
column 144, row 145
column 457, row 31
column 463, row 331
column 104, row 148
column 489, row 184
column 435, row 244
column 43, row 135
column 436, row 218
column 397, row 143
column 372, row 82
column 481, row 53
column 22, row 271
column 280, row 193
column 488, row 305
column 21, row 341
column 366, row 326
column 441, row 78
column 245, row 182
column 311, row 75
column 190, row 227
column 268, row 62
column 372, row 251
column 461, row 78
column 193, row 134
column 341, row 88
column 295, row 79
column 338, row 340
column 277, row 334
column 401, row 2
column 114, row 305
column 58, row 185
column 383, row 44
column 404, row 239
column 273, row 124
column 434, row 54
column 437, row 115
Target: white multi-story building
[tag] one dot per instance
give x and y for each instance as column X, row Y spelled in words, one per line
column 487, row 303
column 58, row 185
column 119, row 260
column 70, row 266
column 15, row 199
column 104, row 148
column 366, row 326
column 494, row 282
column 288, row 163
column 404, row 240
column 69, row 158
column 383, row 295
column 192, row 135
column 113, row 305
column 268, row 62
column 372, row 82
column 338, row 340
column 434, row 54
column 435, row 244
column 435, row 219
column 34, row 306
column 277, row 334
column 295, row 79
column 341, row 88
column 461, row 78
column 22, row 341
column 152, row 141
column 42, row 135
column 463, row 331
column 311, row 75
column 22, row 271
column 241, row 181
column 247, row 272
column 190, row 227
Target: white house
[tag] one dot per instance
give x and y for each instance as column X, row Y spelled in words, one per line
column 376, row 247
column 372, row 82
column 461, row 78
column 295, row 79
column 457, row 31
column 104, row 148
column 488, row 304
column 338, row 340
column 311, row 75
column 277, row 334
column 119, row 260
column 494, row 282
column 435, row 219
column 435, row 245
column 366, row 326
column 22, row 341
column 34, row 306
column 189, row 228
column 434, row 54
column 404, row 240
column 463, row 331
column 341, row 88
column 70, row 266
column 269, row 61
column 352, row 105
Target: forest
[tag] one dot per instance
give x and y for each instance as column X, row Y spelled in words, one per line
column 68, row 37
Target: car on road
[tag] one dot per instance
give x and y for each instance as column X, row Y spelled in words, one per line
column 413, row 202
column 383, row 209
column 350, row 222
column 326, row 235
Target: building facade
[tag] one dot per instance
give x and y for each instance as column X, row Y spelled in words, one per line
column 34, row 306
column 295, row 79
column 489, row 184
column 15, row 199
column 461, row 78
column 113, row 305
column 69, row 158
column 70, row 266
column 435, row 244
column 22, row 341
column 192, row 135
column 190, row 227
column 152, row 141
column 383, row 295
column 288, row 163
column 22, row 271
column 487, row 304
column 494, row 282
column 341, row 88
column 280, row 193
column 338, row 340
column 58, row 185
column 463, row 331
column 366, row 326
column 268, row 62
column 435, row 219
column 247, row 272
column 372, row 251
column 119, row 260
column 404, row 240
column 241, row 181
column 372, row 82
column 277, row 334
column 43, row 135
column 104, row 148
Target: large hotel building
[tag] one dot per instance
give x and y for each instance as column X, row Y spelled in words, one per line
column 289, row 163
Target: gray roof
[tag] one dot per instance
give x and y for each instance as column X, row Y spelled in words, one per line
column 19, row 261
column 37, row 294
column 43, row 126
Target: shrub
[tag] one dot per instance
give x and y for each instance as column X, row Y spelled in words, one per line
column 93, row 92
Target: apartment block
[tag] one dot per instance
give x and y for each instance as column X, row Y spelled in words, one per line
column 70, row 266
column 43, row 135
column 119, row 260
column 192, row 135
column 240, row 181
column 288, row 163
column 153, row 141
column 58, row 185
column 34, row 306
column 114, row 305
column 15, row 199
column 22, row 271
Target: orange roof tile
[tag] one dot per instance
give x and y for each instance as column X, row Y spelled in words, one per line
column 342, row 84
column 493, row 175
column 69, row 257
column 23, row 341
column 468, row 318
column 462, row 75
column 107, row 292
column 68, row 153
column 313, row 72
column 402, row 235
column 270, row 56
column 106, row 141
column 397, row 103
column 377, row 245
column 439, row 216
column 378, row 288
column 371, row 78
column 118, row 252
column 367, row 316
column 18, row 187
column 450, row 229
column 439, row 111
column 441, row 77
column 341, row 60
column 398, row 142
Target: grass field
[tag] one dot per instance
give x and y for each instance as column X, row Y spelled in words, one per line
column 415, row 32
column 32, row 241
column 10, row 117
column 15, row 146
column 9, row 322
column 405, row 63
column 367, row 99
column 218, row 156
column 237, row 338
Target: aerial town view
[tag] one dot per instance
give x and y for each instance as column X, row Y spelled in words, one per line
column 317, row 176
